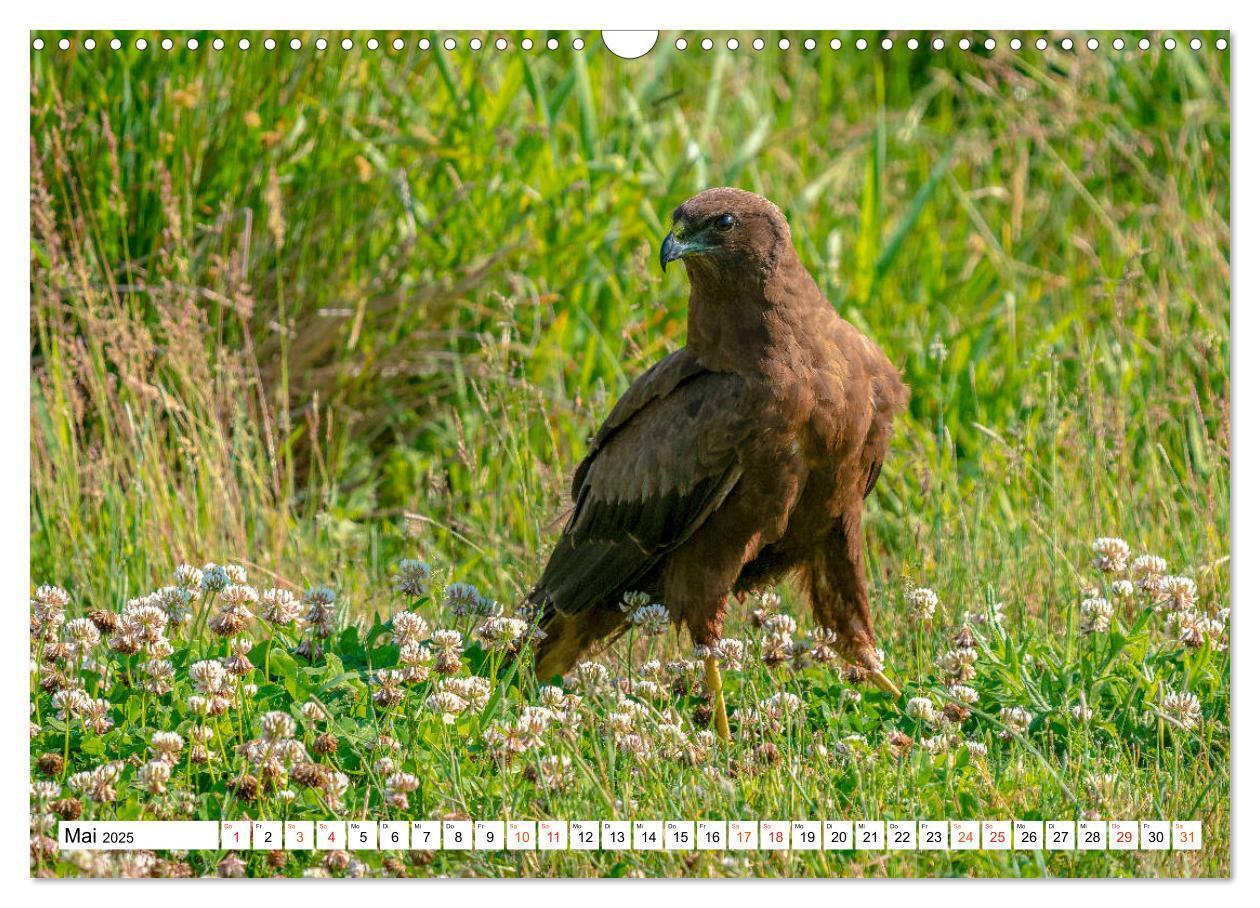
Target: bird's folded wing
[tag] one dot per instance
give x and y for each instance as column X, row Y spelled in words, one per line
column 649, row 482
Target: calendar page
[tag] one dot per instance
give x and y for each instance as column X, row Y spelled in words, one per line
column 526, row 453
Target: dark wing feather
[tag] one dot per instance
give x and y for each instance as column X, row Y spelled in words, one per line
column 667, row 456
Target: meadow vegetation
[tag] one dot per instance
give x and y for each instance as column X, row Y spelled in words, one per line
column 334, row 327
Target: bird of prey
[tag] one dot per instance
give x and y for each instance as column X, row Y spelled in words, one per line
column 739, row 459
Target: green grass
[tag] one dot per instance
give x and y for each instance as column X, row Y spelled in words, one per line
column 316, row 312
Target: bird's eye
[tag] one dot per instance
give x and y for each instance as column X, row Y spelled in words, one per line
column 724, row 222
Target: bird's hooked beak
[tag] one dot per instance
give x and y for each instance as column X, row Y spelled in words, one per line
column 675, row 246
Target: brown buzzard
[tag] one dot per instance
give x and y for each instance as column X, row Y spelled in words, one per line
column 743, row 457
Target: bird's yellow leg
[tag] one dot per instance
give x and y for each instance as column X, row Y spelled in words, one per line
column 713, row 681
column 883, row 682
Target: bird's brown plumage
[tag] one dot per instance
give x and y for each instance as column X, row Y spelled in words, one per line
column 738, row 459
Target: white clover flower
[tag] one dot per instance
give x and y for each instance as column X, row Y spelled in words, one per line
column 464, row 599
column 408, row 627
column 555, row 773
column 1081, row 713
column 52, row 597
column 474, row 690
column 964, row 693
column 1183, row 708
column 923, row 603
column 446, row 704
column 1016, row 718
column 412, row 577
column 187, row 577
column 650, row 619
column 214, row 577
column 448, row 641
column 1124, row 590
column 633, row 600
column 1149, row 570
column 1096, row 615
column 277, row 726
column 153, row 776
column 1176, row 594
column 921, row 708
column 279, row 606
column 1111, row 555
column 729, row 653
column 166, row 746
column 499, row 632
column 780, row 624
column 977, row 749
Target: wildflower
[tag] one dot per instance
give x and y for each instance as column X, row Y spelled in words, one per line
column 187, row 577
column 1095, row 615
column 277, row 726
column 166, row 746
column 1183, row 709
column 555, row 773
column 320, row 604
column 408, row 627
column 823, row 649
column 475, row 690
column 98, row 784
column 779, row 707
column 448, row 641
column 389, row 692
column 1111, row 555
column 923, row 602
column 631, row 602
column 158, row 676
column 465, row 600
column 279, row 607
column 650, row 619
column 939, row 744
column 977, row 749
column 959, row 665
column 937, row 351
column 728, row 651
column 231, row 866
column 314, row 711
column 776, row 649
column 921, row 708
column 70, row 702
column 448, row 644
column 780, row 624
column 44, row 790
column 52, row 597
column 499, row 632
column 1149, row 570
column 1123, row 590
column 397, row 786
column 153, row 776
column 447, row 705
column 412, row 577
column 1081, row 713
column 984, row 616
column 899, row 743
column 964, row 693
column 415, row 660
column 82, row 634
column 235, row 615
column 1176, row 594
column 214, row 578
column 1015, row 718
column 590, row 677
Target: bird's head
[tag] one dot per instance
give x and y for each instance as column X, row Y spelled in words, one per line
column 726, row 230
